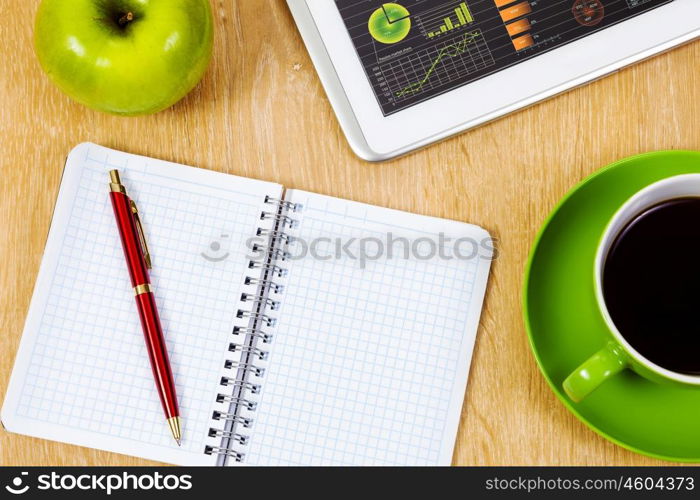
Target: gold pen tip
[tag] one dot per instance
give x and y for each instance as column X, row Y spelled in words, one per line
column 175, row 424
column 114, row 177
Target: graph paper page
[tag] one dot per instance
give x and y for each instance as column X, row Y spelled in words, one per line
column 370, row 362
column 82, row 373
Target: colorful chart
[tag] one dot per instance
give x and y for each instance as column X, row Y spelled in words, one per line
column 437, row 65
column 390, row 23
column 416, row 50
column 460, row 17
column 452, row 50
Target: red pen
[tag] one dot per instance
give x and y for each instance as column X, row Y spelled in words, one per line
column 138, row 261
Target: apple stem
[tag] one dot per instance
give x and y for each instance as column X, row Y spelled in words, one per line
column 126, row 19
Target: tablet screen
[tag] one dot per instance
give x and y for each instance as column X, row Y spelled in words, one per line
column 413, row 50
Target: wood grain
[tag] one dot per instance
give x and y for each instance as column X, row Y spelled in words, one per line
column 261, row 112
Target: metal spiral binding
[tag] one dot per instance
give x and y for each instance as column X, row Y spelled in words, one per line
column 275, row 235
column 262, row 355
column 272, row 304
column 233, row 417
column 275, row 252
column 265, row 337
column 251, row 338
column 238, row 437
column 255, row 370
column 274, row 287
column 228, row 452
column 268, row 268
column 285, row 205
column 223, row 398
column 283, row 220
column 229, row 382
column 262, row 318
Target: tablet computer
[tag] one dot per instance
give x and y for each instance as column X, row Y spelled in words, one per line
column 401, row 75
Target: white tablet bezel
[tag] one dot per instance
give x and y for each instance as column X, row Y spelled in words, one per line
column 497, row 94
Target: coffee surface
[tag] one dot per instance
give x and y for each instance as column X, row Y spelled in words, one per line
column 651, row 284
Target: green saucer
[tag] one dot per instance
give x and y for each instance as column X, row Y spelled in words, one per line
column 565, row 326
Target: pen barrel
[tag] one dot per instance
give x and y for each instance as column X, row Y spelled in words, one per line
column 128, row 232
column 145, row 302
column 158, row 353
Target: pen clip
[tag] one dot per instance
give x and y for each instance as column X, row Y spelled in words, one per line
column 142, row 235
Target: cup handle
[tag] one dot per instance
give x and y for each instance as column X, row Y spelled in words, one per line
column 604, row 364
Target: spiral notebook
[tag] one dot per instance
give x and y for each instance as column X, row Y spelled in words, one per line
column 293, row 339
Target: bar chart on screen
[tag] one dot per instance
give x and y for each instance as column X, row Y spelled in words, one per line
column 444, row 19
column 514, row 16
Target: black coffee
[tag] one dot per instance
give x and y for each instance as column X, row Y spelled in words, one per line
column 651, row 284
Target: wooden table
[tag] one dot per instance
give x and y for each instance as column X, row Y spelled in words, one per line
column 261, row 112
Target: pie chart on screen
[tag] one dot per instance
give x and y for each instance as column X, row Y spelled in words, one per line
column 390, row 23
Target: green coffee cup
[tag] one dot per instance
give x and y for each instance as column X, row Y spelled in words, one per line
column 618, row 354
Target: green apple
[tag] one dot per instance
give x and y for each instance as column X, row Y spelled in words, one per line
column 128, row 57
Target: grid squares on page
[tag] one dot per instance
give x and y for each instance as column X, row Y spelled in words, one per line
column 364, row 360
column 89, row 369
